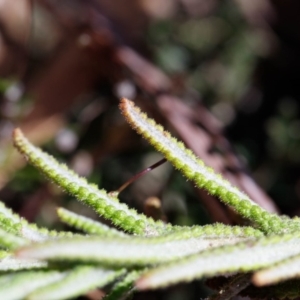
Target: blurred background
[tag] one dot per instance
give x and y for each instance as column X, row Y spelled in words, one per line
column 220, row 75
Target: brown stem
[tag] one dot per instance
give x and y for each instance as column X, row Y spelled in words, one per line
column 138, row 175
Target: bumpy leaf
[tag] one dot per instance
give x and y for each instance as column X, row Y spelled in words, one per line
column 86, row 224
column 137, row 251
column 76, row 282
column 18, row 285
column 194, row 169
column 9, row 263
column 125, row 287
column 287, row 269
column 171, row 254
column 10, row 241
column 102, row 202
column 14, row 224
column 243, row 257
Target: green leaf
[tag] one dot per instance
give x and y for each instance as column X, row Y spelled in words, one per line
column 9, row 263
column 194, row 169
column 171, row 254
column 243, row 257
column 136, row 251
column 105, row 204
column 76, row 282
column 125, row 287
column 284, row 270
column 14, row 224
column 10, row 241
column 86, row 224
column 16, row 286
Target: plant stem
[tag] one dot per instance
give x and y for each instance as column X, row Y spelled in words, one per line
column 140, row 174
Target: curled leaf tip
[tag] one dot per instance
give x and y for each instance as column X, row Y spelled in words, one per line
column 17, row 132
column 20, row 253
column 141, row 283
column 258, row 280
column 18, row 138
column 125, row 101
column 124, row 107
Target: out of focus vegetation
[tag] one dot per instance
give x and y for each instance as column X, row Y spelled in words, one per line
column 64, row 65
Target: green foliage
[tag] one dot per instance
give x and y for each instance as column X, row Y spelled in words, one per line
column 143, row 253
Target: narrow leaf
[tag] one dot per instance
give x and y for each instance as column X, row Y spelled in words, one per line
column 9, row 263
column 19, row 285
column 13, row 223
column 243, row 257
column 124, row 288
column 86, row 224
column 6, row 212
column 194, row 169
column 122, row 251
column 10, row 241
column 284, row 270
column 107, row 205
column 3, row 253
column 75, row 283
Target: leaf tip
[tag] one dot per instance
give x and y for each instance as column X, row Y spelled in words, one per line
column 59, row 211
column 124, row 103
column 17, row 134
column 124, row 106
column 23, row 252
column 259, row 280
column 141, row 283
column 18, row 252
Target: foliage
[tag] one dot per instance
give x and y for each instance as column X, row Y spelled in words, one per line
column 143, row 253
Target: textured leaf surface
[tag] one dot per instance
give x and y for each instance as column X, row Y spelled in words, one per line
column 171, row 254
column 195, row 170
column 18, row 285
column 245, row 257
column 12, row 222
column 103, row 203
column 10, row 241
column 125, row 287
column 124, row 251
column 76, row 282
column 282, row 271
column 86, row 224
column 10, row 263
